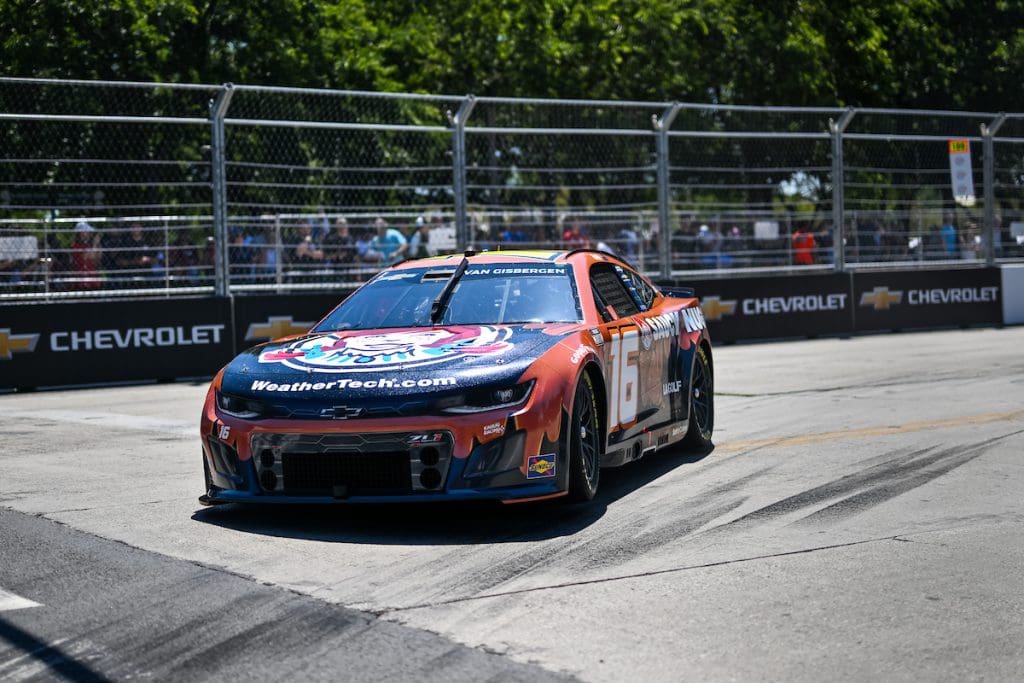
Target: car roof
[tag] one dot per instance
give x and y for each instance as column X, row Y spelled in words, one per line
column 522, row 256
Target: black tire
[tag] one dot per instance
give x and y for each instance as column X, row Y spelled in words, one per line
column 584, row 442
column 701, row 397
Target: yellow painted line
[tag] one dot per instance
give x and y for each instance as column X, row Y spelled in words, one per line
column 867, row 432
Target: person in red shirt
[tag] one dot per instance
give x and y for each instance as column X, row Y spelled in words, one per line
column 803, row 247
column 85, row 255
column 575, row 237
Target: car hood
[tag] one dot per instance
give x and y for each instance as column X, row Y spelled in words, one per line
column 387, row 366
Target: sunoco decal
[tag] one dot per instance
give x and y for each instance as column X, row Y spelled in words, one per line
column 540, row 466
column 371, row 351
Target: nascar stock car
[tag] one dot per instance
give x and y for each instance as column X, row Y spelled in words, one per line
column 513, row 376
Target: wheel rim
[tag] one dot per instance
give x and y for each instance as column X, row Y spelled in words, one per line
column 587, row 433
column 700, row 396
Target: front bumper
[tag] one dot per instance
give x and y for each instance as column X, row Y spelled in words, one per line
column 364, row 461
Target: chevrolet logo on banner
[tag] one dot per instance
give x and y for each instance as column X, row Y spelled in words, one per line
column 714, row 308
column 275, row 328
column 16, row 343
column 880, row 298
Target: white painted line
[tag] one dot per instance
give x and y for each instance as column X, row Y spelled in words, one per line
column 10, row 601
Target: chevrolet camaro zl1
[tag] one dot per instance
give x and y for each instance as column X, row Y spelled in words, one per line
column 513, row 376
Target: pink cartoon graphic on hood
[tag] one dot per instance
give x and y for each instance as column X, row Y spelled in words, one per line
column 355, row 351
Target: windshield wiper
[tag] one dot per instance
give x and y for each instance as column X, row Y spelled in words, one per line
column 441, row 302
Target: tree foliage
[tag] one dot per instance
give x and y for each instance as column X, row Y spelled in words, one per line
column 913, row 53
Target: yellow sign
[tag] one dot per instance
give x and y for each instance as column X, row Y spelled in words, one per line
column 959, row 146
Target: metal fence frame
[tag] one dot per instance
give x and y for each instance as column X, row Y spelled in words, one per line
column 461, row 125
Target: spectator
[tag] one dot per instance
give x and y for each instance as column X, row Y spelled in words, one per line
column 803, row 246
column 134, row 255
column 321, row 226
column 85, row 257
column 306, row 250
column 183, row 259
column 365, row 253
column 575, row 237
column 339, row 247
column 389, row 242
column 419, row 243
column 894, row 243
column 948, row 232
column 867, row 240
column 240, row 254
column 265, row 250
column 709, row 243
column 628, row 242
column 971, row 243
column 932, row 244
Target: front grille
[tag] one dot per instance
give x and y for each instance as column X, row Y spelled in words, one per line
column 359, row 473
column 343, row 464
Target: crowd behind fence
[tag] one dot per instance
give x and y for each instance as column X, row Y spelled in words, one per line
column 127, row 188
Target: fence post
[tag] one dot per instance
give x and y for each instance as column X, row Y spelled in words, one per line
column 661, row 127
column 988, row 132
column 458, row 123
column 836, row 128
column 218, row 109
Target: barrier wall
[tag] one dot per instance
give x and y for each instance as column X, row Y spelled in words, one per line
column 1013, row 295
column 61, row 344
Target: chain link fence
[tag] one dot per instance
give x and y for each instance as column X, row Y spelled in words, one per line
column 114, row 189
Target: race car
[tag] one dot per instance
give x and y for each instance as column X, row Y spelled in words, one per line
column 513, row 376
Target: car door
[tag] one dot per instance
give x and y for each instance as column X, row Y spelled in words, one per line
column 634, row 363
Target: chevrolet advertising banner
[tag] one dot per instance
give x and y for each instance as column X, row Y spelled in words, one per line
column 927, row 298
column 83, row 343
column 775, row 307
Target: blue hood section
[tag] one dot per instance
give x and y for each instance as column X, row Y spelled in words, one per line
column 391, row 371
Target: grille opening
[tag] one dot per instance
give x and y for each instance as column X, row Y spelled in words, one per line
column 430, row 457
column 268, row 479
column 430, row 478
column 358, row 473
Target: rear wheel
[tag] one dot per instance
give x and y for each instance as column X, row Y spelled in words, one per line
column 584, row 443
column 702, row 403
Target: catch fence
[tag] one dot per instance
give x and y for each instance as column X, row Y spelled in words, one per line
column 121, row 189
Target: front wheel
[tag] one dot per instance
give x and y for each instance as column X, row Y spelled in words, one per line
column 702, row 403
column 584, row 443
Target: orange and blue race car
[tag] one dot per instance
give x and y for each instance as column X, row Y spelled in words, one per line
column 513, row 376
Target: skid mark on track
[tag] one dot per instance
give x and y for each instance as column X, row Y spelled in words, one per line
column 869, row 487
column 646, row 528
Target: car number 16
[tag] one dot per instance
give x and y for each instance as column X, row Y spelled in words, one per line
column 623, row 352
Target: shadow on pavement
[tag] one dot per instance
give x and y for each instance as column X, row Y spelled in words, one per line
column 444, row 523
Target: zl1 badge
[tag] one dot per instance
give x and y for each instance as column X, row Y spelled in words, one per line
column 540, row 466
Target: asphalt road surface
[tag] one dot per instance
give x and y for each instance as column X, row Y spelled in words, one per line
column 861, row 517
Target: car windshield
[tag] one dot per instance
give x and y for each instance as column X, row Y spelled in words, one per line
column 484, row 295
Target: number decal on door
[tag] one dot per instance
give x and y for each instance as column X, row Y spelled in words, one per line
column 624, row 380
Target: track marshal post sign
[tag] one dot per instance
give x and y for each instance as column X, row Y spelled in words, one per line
column 960, row 172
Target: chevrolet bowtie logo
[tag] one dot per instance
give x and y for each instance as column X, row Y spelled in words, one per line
column 714, row 308
column 881, row 298
column 275, row 328
column 16, row 343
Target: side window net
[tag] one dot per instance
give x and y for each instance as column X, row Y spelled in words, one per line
column 608, row 284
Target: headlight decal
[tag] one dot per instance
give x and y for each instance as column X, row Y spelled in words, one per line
column 481, row 400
